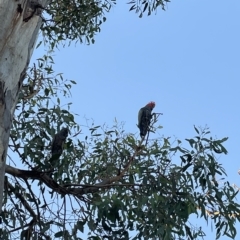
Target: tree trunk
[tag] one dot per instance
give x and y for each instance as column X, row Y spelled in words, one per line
column 18, row 33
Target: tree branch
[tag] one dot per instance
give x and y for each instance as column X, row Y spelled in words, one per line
column 22, row 199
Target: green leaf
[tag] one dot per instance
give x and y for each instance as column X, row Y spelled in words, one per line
column 59, row 234
column 91, row 225
column 191, row 141
column 196, row 129
column 145, row 6
column 80, row 226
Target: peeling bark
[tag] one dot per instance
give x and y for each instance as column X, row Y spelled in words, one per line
column 18, row 38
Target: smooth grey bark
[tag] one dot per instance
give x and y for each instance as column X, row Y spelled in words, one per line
column 17, row 41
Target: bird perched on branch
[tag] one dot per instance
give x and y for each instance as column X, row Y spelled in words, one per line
column 144, row 118
column 57, row 144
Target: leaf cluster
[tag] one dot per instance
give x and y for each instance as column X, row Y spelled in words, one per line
column 81, row 20
column 74, row 20
column 149, row 6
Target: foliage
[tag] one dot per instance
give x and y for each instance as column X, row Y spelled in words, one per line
column 74, row 20
column 81, row 19
column 147, row 6
column 107, row 183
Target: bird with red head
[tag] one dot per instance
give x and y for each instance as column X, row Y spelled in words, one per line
column 144, row 118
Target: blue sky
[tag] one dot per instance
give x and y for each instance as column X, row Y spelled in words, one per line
column 186, row 59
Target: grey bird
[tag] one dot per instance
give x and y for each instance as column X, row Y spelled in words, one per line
column 57, row 144
column 144, row 118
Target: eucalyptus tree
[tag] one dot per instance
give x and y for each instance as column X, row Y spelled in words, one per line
column 107, row 184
